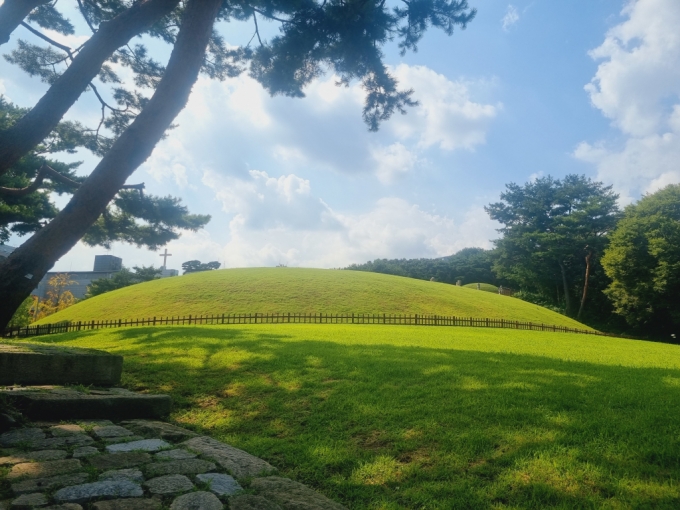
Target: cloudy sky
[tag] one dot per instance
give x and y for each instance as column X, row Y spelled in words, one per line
column 531, row 88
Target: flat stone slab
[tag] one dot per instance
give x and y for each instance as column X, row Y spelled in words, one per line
column 66, row 430
column 222, row 485
column 30, row 500
column 23, row 363
column 239, row 463
column 134, row 475
column 171, row 484
column 85, row 451
column 146, row 445
column 292, row 495
column 197, row 501
column 111, row 431
column 251, row 502
column 159, row 429
column 126, row 439
column 128, row 504
column 178, row 454
column 34, row 456
column 109, row 489
column 119, row 460
column 20, row 436
column 179, row 467
column 60, row 442
column 44, row 469
column 46, row 484
column 68, row 404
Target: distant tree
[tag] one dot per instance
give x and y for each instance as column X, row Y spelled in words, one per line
column 470, row 265
column 58, row 296
column 643, row 262
column 554, row 232
column 196, row 266
column 123, row 278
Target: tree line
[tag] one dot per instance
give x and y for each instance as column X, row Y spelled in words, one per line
column 565, row 244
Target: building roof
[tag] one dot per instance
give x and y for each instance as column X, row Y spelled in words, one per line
column 5, row 250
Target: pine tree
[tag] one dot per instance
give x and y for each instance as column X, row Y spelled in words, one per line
column 345, row 37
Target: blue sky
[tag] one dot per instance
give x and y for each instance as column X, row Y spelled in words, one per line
column 531, row 88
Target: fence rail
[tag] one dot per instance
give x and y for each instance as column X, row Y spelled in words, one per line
column 294, row 318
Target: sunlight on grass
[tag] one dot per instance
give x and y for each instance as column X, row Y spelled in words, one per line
column 299, row 290
column 434, row 418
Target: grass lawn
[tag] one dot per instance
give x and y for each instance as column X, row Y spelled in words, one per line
column 482, row 286
column 271, row 290
column 403, row 417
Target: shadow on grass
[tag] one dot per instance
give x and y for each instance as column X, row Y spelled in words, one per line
column 384, row 426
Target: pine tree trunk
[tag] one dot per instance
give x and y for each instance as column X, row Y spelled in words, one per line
column 585, row 286
column 133, row 147
column 33, row 127
column 567, row 299
column 13, row 12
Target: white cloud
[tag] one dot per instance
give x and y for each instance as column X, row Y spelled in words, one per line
column 511, row 17
column 637, row 86
column 279, row 220
column 447, row 117
column 393, row 161
column 233, row 126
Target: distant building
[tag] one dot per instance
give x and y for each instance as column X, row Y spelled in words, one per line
column 169, row 272
column 5, row 251
column 105, row 266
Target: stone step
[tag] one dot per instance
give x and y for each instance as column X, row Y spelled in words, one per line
column 24, row 363
column 56, row 403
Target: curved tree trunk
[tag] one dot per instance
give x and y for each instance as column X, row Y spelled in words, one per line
column 12, row 13
column 567, row 299
column 33, row 127
column 26, row 266
column 585, row 286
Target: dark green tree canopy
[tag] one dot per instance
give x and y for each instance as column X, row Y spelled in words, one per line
column 196, row 266
column 548, row 228
column 643, row 262
column 469, row 265
column 123, row 278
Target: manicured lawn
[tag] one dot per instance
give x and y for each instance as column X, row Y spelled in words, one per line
column 295, row 290
column 397, row 417
column 482, row 286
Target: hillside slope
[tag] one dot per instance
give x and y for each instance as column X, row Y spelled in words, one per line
column 271, row 290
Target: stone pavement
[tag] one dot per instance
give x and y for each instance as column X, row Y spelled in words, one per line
column 139, row 465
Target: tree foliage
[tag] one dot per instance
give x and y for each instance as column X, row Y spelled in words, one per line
column 338, row 36
column 133, row 217
column 549, row 228
column 470, row 265
column 58, row 296
column 196, row 266
column 123, row 278
column 643, row 262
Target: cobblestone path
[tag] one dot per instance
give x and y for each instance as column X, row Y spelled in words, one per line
column 139, row 465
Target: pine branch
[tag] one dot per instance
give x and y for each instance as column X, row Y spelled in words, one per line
column 52, row 174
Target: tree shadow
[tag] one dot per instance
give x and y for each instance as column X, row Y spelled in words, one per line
column 384, row 426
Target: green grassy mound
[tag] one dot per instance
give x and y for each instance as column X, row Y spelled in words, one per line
column 487, row 287
column 283, row 290
column 403, row 417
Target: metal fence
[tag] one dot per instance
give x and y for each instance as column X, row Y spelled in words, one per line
column 294, row 318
